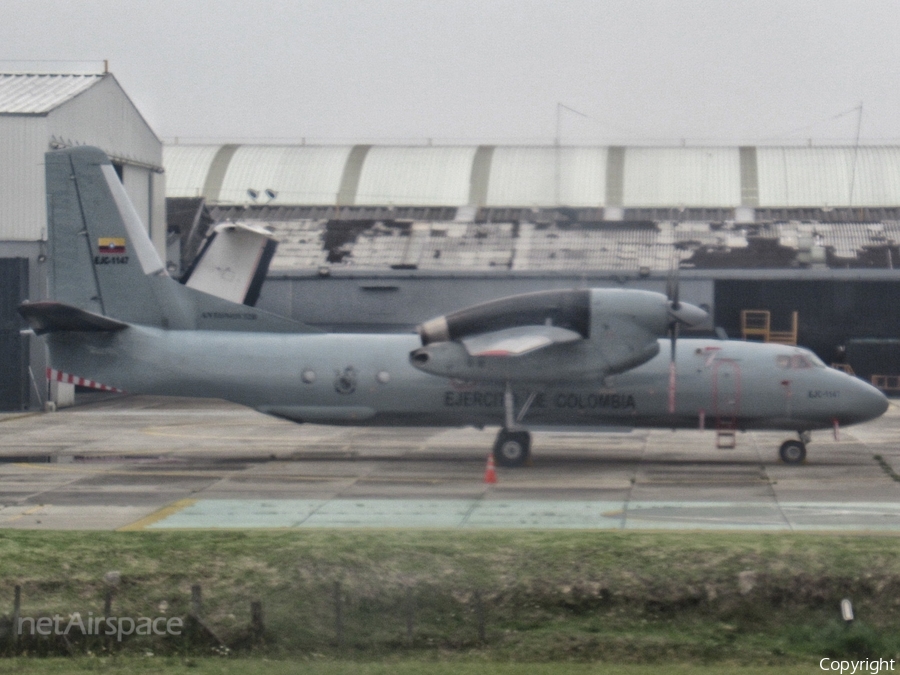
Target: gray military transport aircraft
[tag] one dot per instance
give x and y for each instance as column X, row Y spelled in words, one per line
column 587, row 359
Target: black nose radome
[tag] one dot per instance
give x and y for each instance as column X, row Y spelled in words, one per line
column 420, row 356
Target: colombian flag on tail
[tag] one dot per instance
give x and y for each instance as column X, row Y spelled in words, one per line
column 115, row 245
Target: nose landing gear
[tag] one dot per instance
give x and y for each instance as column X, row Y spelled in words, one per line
column 512, row 448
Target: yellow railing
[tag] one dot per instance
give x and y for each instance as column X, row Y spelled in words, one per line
column 886, row 382
column 756, row 324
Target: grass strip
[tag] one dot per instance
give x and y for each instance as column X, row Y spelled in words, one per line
column 542, row 596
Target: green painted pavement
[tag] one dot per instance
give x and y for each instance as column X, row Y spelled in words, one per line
column 537, row 514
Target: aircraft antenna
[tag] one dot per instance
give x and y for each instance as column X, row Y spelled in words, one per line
column 557, row 142
column 855, row 153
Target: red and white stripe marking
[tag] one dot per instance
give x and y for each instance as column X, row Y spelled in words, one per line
column 60, row 376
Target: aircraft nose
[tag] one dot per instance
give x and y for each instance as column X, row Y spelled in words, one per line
column 868, row 402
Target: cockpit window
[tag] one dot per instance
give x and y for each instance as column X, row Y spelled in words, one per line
column 816, row 361
column 800, row 361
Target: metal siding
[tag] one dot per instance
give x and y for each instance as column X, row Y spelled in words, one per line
column 667, row 177
column 411, row 176
column 137, row 184
column 23, row 212
column 804, row 176
column 815, row 177
column 104, row 116
column 522, row 177
column 300, row 174
column 26, row 94
column 186, row 168
column 583, row 176
column 877, row 177
column 528, row 177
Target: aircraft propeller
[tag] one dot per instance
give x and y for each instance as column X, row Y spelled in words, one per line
column 674, row 322
column 679, row 313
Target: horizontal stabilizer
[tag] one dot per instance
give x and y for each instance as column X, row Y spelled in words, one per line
column 48, row 317
column 518, row 341
column 233, row 262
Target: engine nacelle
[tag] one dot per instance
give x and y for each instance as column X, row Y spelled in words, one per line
column 565, row 309
column 550, row 336
column 558, row 363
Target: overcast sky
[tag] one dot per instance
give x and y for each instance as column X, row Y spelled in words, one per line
column 485, row 70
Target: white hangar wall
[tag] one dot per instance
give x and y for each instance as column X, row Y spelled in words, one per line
column 38, row 113
column 664, row 177
column 844, row 176
column 614, row 177
column 23, row 142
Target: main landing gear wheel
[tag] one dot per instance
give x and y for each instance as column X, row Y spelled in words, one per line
column 792, row 452
column 512, row 448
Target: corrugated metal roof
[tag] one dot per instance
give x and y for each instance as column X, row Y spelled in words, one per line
column 300, row 174
column 22, row 94
column 186, row 168
column 803, row 177
column 665, row 177
column 511, row 176
column 416, row 176
column 547, row 176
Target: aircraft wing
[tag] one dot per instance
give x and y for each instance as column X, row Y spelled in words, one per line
column 518, row 341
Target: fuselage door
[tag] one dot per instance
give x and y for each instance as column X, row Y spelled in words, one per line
column 726, row 394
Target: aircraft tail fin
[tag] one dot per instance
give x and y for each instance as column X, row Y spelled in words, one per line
column 100, row 258
column 102, row 261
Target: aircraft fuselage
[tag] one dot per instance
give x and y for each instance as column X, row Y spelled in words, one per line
column 367, row 380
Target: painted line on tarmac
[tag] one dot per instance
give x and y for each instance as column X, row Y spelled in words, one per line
column 48, row 444
column 119, row 472
column 235, row 473
column 293, row 440
column 158, row 515
column 29, row 512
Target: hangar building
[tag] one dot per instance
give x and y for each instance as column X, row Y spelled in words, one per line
column 383, row 237
column 40, row 112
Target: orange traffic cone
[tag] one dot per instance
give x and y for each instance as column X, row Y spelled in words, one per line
column 490, row 472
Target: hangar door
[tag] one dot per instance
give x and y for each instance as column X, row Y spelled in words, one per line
column 13, row 346
column 831, row 312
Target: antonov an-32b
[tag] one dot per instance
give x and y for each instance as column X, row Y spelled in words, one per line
column 580, row 358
